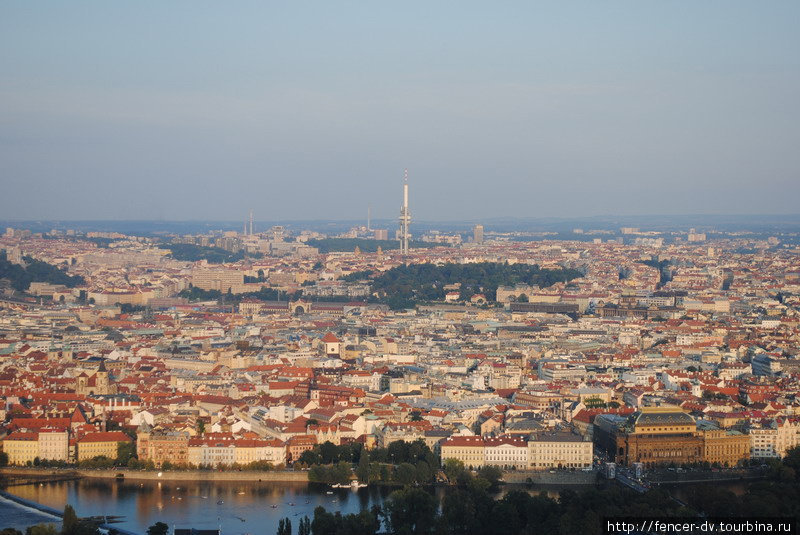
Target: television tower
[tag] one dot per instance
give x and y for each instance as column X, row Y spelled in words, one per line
column 405, row 217
column 251, row 222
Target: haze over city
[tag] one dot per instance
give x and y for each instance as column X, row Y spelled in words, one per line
column 194, row 110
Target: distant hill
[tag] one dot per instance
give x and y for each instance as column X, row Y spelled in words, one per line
column 404, row 286
column 21, row 277
column 339, row 245
column 192, row 253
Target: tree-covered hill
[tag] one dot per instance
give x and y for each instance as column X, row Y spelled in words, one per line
column 337, row 245
column 188, row 252
column 34, row 270
column 403, row 286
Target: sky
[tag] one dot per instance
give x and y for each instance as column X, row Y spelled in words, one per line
column 194, row 110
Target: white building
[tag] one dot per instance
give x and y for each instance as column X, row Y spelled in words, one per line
column 506, row 452
column 559, row 449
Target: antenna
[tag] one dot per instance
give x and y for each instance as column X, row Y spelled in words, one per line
column 405, row 217
column 251, row 221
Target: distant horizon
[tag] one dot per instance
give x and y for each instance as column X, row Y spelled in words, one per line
column 394, row 220
column 787, row 225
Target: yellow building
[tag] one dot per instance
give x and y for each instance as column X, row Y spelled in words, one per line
column 726, row 447
column 21, row 447
column 468, row 450
column 559, row 449
column 102, row 444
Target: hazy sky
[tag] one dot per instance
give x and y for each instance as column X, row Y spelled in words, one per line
column 299, row 110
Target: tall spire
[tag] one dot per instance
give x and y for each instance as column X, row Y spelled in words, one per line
column 405, row 217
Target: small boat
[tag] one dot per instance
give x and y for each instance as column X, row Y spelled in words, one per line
column 329, row 492
column 220, row 502
column 292, row 504
column 274, row 506
column 240, row 492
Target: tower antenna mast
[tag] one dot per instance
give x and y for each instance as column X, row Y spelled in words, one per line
column 405, row 217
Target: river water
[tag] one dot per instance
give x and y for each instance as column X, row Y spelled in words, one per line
column 235, row 507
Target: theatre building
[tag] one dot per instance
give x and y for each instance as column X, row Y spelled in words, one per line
column 659, row 435
column 666, row 435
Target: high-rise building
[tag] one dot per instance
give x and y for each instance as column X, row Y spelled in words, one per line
column 477, row 234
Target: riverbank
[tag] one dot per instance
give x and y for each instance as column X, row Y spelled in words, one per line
column 664, row 477
column 545, row 477
column 560, row 477
column 278, row 476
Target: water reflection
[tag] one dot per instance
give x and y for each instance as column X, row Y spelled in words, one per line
column 237, row 507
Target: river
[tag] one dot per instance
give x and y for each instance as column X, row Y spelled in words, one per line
column 235, row 507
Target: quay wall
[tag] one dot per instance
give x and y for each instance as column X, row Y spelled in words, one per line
column 169, row 475
column 560, row 477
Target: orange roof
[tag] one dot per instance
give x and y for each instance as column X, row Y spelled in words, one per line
column 105, row 436
column 330, row 338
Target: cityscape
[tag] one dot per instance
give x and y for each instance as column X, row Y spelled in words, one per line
column 356, row 271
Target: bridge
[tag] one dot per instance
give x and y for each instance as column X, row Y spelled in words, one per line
column 631, row 483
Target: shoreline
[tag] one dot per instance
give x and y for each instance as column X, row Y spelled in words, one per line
column 277, row 476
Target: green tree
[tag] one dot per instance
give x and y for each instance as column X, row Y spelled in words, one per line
column 310, row 457
column 329, row 452
column 453, row 468
column 362, row 471
column 70, row 520
column 3, row 458
column 72, row 525
column 159, row 528
column 304, row 528
column 284, row 526
column 42, row 529
column 410, row 511
column 125, row 452
column 492, row 474
column 405, row 474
